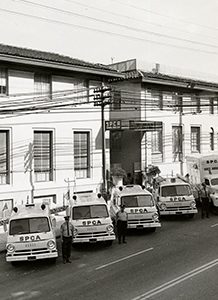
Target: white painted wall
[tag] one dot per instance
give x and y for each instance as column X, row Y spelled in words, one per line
column 62, row 124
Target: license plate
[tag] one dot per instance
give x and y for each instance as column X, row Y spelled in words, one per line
column 30, row 245
column 178, row 212
column 139, row 226
column 93, row 240
column 31, row 257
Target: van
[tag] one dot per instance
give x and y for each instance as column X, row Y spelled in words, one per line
column 174, row 196
column 31, row 234
column 139, row 205
column 90, row 217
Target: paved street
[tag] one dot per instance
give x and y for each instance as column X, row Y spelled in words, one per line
column 179, row 261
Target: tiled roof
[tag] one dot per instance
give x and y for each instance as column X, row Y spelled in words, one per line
column 176, row 79
column 164, row 78
column 49, row 57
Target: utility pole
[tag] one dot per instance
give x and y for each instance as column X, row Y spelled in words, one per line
column 102, row 98
column 28, row 165
column 180, row 135
column 68, row 181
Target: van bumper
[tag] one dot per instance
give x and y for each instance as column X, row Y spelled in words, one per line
column 145, row 225
column 22, row 257
column 94, row 239
column 178, row 212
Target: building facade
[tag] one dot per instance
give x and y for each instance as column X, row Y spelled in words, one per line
column 162, row 118
column 50, row 130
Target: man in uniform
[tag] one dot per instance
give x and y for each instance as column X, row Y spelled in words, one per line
column 67, row 239
column 205, row 201
column 121, row 218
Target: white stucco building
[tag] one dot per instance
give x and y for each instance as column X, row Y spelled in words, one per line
column 47, row 147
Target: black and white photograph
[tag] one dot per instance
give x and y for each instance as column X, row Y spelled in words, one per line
column 108, row 150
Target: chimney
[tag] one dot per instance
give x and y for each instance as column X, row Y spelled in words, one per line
column 156, row 70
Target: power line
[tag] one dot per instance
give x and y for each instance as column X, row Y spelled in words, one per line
column 108, row 32
column 165, row 16
column 121, row 25
column 132, row 18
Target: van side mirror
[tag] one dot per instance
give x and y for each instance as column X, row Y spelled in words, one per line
column 53, row 222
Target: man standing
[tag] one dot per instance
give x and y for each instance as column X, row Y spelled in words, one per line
column 121, row 218
column 205, row 201
column 67, row 239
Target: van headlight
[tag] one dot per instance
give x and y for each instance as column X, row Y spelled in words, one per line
column 155, row 216
column 10, row 248
column 162, row 206
column 110, row 228
column 193, row 204
column 75, row 232
column 51, row 244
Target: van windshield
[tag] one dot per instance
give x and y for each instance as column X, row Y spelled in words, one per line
column 176, row 190
column 89, row 212
column 214, row 181
column 137, row 200
column 29, row 225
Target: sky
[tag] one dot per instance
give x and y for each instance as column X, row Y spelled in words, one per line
column 181, row 35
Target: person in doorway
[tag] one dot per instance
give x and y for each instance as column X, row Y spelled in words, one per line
column 205, row 201
column 129, row 179
column 67, row 239
column 121, row 220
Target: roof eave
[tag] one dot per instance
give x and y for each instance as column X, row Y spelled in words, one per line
column 179, row 84
column 57, row 65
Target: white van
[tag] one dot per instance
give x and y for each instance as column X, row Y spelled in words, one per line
column 31, row 234
column 139, row 205
column 174, row 196
column 90, row 217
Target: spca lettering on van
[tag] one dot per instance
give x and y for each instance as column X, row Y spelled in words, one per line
column 29, row 238
column 138, row 210
column 92, row 222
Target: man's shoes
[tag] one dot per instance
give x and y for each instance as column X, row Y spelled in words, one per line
column 64, row 261
column 69, row 261
column 124, row 242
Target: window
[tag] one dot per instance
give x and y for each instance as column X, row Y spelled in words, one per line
column 157, row 99
column 90, row 212
column 3, row 81
column 212, row 139
column 211, row 106
column 195, row 139
column 43, row 158
column 178, row 102
column 116, row 100
column 42, row 84
column 4, row 157
column 137, row 201
column 156, row 141
column 195, row 104
column 176, row 190
column 29, row 225
column 82, row 154
column 177, row 139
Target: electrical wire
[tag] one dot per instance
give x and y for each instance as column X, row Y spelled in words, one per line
column 134, row 19
column 109, row 32
column 121, row 25
column 165, row 16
